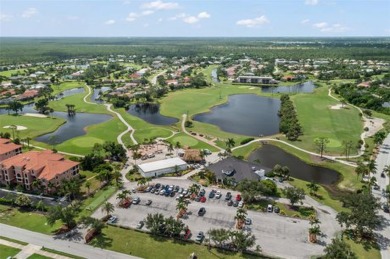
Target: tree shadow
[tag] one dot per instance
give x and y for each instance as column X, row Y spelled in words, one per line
column 102, row 241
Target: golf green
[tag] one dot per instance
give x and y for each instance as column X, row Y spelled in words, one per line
column 185, row 141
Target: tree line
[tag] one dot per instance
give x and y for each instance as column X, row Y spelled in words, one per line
column 289, row 124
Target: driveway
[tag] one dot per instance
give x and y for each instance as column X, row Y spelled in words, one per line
column 277, row 235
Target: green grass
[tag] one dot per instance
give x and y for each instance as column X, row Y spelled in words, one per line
column 246, row 150
column 7, row 251
column 97, row 133
column 61, row 253
column 318, row 120
column 362, row 252
column 191, row 142
column 9, row 73
column 144, row 130
column 35, row 126
column 323, row 195
column 38, row 256
column 66, row 86
column 26, row 220
column 92, row 203
column 80, row 105
column 146, row 246
column 13, row 240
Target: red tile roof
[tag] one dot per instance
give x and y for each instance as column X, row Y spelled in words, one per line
column 46, row 163
column 7, row 145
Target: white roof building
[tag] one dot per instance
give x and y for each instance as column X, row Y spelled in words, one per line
column 157, row 168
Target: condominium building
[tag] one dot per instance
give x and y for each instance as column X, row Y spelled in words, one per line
column 46, row 167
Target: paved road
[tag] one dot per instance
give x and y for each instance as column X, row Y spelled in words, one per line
column 277, row 235
column 75, row 248
column 382, row 160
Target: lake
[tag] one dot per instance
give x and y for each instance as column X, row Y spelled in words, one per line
column 245, row 114
column 150, row 112
column 214, row 76
column 96, row 94
column 74, row 126
column 306, row 87
column 70, row 92
column 270, row 155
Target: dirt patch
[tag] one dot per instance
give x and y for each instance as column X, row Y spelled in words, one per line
column 35, row 115
column 374, row 125
column 336, row 107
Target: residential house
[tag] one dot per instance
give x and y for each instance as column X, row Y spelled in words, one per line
column 47, row 167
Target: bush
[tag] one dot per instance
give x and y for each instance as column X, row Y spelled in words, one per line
column 270, row 174
column 247, row 140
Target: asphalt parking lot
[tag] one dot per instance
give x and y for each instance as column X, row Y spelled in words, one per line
column 277, row 235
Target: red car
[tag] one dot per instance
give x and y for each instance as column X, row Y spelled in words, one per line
column 203, row 199
column 238, row 197
column 187, row 234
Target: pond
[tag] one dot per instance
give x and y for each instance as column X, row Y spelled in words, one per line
column 150, row 112
column 270, row 155
column 306, row 87
column 245, row 114
column 95, row 97
column 70, row 92
column 74, row 127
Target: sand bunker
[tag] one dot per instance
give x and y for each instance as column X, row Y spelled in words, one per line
column 337, row 107
column 252, row 88
column 35, row 115
column 17, row 127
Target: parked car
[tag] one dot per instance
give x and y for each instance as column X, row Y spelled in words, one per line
column 112, row 219
column 162, row 192
column 270, row 208
column 202, row 192
column 218, row 195
column 136, row 200
column 157, row 185
column 181, row 190
column 180, row 196
column 238, row 197
column 140, row 224
column 148, row 202
column 383, row 175
column 212, row 194
column 187, row 234
column 185, row 192
column 199, row 237
column 198, row 198
column 202, row 199
column 235, row 203
column 201, row 211
column 148, row 189
column 385, row 208
column 228, row 196
column 230, row 203
column 241, row 204
column 177, row 188
column 376, row 187
column 248, row 221
column 276, row 209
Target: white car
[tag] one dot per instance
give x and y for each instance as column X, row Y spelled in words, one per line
column 241, row 204
column 218, row 195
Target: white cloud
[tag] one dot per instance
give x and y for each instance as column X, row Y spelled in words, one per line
column 203, row 15
column 311, row 2
column 30, row 12
column 147, row 12
column 191, row 19
column 109, row 22
column 253, row 22
column 325, row 27
column 320, row 25
column 178, row 16
column 160, row 5
column 132, row 17
column 305, row 21
column 5, row 17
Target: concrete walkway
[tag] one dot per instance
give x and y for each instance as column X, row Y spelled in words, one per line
column 76, row 247
column 30, row 249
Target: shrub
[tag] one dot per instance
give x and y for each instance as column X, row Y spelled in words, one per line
column 247, row 140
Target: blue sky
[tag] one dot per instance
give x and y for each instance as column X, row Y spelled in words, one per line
column 198, row 18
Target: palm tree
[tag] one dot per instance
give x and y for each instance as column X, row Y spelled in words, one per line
column 177, row 146
column 361, row 169
column 240, row 217
column 88, row 186
column 108, row 208
column 181, row 206
column 313, row 188
column 28, row 141
column 285, row 171
column 372, row 166
column 142, row 181
column 13, row 128
column 230, row 143
column 117, row 177
column 40, row 206
column 194, row 189
column 136, row 154
column 314, row 229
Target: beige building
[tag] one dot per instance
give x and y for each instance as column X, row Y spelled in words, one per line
column 49, row 168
